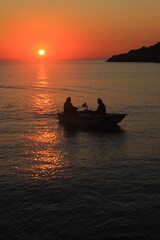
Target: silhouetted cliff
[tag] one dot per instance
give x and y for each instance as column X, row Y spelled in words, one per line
column 144, row 54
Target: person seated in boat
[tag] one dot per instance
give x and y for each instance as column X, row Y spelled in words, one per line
column 101, row 107
column 68, row 107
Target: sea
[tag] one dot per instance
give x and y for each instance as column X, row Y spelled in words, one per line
column 59, row 183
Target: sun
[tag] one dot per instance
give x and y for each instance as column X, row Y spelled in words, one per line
column 41, row 52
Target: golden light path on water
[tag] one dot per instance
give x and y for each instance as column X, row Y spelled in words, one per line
column 42, row 101
column 42, row 75
column 45, row 158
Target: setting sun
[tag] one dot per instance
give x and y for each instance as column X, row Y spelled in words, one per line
column 41, row 52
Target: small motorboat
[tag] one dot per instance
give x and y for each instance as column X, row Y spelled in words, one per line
column 89, row 118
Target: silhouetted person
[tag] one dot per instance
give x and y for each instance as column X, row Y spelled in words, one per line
column 101, row 107
column 68, row 107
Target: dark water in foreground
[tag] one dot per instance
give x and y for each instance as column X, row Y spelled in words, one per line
column 58, row 183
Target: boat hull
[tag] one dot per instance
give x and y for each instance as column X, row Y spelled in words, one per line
column 91, row 119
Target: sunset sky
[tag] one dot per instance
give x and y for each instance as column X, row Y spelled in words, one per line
column 73, row 29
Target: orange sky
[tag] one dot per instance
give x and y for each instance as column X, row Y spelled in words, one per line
column 72, row 29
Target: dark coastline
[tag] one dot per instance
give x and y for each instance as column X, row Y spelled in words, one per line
column 144, row 54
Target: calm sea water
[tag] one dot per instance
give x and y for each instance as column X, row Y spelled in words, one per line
column 57, row 183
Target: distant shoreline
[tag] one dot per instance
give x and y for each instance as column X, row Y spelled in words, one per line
column 143, row 54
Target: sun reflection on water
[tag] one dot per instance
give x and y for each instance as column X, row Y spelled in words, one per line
column 44, row 101
column 45, row 158
column 48, row 164
column 42, row 76
column 43, row 104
